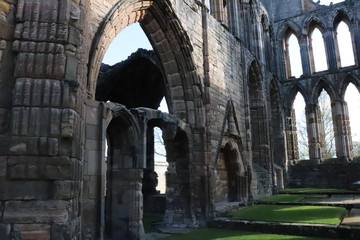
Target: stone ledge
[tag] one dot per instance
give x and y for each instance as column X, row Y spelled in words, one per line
column 300, row 229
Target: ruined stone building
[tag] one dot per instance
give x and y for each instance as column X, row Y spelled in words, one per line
column 225, row 71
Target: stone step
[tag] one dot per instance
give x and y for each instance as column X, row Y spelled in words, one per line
column 298, row 229
column 353, row 219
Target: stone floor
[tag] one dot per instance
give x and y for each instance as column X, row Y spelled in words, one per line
column 164, row 232
column 353, row 219
column 341, row 199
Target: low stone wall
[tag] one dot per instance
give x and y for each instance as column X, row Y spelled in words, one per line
column 329, row 174
column 299, row 229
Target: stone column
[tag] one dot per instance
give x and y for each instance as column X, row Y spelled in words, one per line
column 282, row 59
column 356, row 36
column 315, row 136
column 291, row 135
column 331, row 50
column 234, row 17
column 342, row 130
column 44, row 166
column 127, row 204
column 305, row 57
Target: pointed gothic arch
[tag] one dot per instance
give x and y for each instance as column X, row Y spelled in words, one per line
column 292, row 52
column 231, row 180
column 290, row 94
column 319, row 86
column 316, row 45
column 345, row 83
column 344, row 42
column 157, row 18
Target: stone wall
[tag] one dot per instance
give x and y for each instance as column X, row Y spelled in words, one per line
column 226, row 83
column 329, row 174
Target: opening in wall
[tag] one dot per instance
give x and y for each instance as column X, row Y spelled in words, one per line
column 301, row 127
column 317, row 48
column 345, row 46
column 352, row 97
column 327, row 131
column 294, row 68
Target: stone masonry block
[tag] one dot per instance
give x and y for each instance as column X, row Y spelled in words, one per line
column 65, row 190
column 33, row 231
column 93, row 163
column 36, row 211
column 71, row 68
column 4, row 230
column 3, row 163
column 25, row 190
column 61, row 232
column 43, row 168
column 92, row 131
column 4, row 145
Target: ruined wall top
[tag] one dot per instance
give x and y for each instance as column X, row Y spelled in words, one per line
column 283, row 9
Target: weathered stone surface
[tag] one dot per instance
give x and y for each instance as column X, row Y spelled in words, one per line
column 65, row 190
column 42, row 168
column 3, row 164
column 62, row 231
column 33, row 231
column 22, row 190
column 37, row 211
column 4, row 230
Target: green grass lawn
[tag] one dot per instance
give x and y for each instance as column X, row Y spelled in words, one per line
column 285, row 213
column 221, row 234
column 292, row 198
column 313, row 190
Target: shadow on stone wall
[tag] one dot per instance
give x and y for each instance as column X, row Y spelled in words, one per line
column 329, row 174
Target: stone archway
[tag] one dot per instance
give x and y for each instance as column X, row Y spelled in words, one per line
column 228, row 176
column 124, row 201
column 172, row 45
column 183, row 89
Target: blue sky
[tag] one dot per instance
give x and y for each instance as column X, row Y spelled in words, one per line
column 127, row 42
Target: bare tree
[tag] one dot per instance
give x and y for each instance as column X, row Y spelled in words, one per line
column 329, row 150
column 327, row 130
column 302, row 139
column 159, row 145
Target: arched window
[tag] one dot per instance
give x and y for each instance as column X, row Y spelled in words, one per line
column 352, row 98
column 293, row 57
column 327, row 131
column 301, row 127
column 317, row 49
column 344, row 44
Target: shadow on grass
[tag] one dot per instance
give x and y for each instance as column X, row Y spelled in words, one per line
column 291, row 214
column 221, row 234
column 149, row 221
